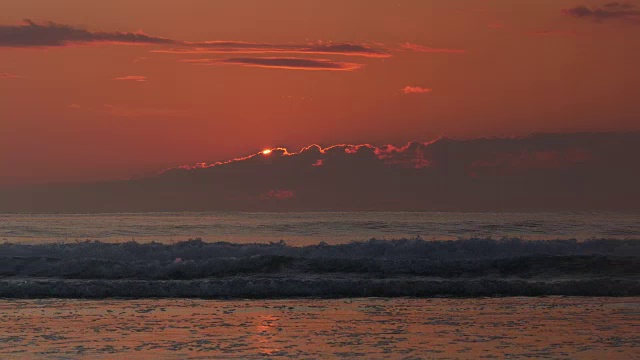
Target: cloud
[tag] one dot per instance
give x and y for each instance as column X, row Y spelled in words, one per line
column 553, row 33
column 239, row 47
column 9, row 76
column 278, row 195
column 32, row 34
column 48, row 34
column 136, row 78
column 421, row 48
column 346, row 49
column 138, row 112
column 416, row 90
column 282, row 63
column 609, row 11
column 580, row 171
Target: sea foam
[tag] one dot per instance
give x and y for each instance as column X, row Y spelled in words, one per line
column 408, row 267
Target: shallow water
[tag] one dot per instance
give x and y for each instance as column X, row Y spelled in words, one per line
column 555, row 327
column 311, row 228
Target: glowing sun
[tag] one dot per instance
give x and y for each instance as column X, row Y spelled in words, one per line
column 266, row 152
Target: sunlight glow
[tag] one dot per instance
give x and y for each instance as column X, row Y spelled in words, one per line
column 266, row 152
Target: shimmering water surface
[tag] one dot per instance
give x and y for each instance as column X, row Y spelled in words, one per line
column 367, row 328
column 311, row 228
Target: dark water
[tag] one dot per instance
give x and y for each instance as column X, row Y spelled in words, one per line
column 312, row 228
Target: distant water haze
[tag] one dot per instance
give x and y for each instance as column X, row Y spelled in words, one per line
column 304, row 228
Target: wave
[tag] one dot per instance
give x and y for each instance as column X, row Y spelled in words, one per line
column 407, row 267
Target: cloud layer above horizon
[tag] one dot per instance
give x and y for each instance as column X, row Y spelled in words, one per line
column 582, row 171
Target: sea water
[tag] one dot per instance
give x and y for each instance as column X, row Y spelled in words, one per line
column 312, row 227
column 145, row 326
column 365, row 328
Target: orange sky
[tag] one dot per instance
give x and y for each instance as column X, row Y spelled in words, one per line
column 87, row 111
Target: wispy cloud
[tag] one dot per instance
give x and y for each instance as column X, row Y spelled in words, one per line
column 609, row 11
column 32, row 34
column 426, row 49
column 136, row 78
column 278, row 195
column 239, row 47
column 282, row 63
column 137, row 112
column 416, row 90
column 553, row 33
column 9, row 76
column 51, row 34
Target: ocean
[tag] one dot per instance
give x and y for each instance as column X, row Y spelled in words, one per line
column 379, row 285
column 313, row 227
column 364, row 328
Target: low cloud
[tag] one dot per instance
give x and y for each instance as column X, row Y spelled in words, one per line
column 426, row 49
column 282, row 63
column 136, row 78
column 580, row 171
column 416, row 90
column 610, row 11
column 32, row 34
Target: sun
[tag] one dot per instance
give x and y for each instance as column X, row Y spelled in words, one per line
column 266, row 152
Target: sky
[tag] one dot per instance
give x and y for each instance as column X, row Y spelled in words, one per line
column 107, row 90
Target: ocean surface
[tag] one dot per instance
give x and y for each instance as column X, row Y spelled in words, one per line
column 340, row 285
column 364, row 328
column 314, row 227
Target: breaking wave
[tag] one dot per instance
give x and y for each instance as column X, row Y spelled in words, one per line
column 407, row 267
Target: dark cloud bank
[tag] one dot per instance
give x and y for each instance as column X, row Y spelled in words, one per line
column 32, row 34
column 582, row 171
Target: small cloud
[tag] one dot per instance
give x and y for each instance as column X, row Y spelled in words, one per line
column 495, row 26
column 9, row 76
column 346, row 49
column 426, row 49
column 416, row 90
column 553, row 33
column 74, row 106
column 134, row 112
column 609, row 11
column 136, row 78
column 282, row 63
column 278, row 195
column 318, row 162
